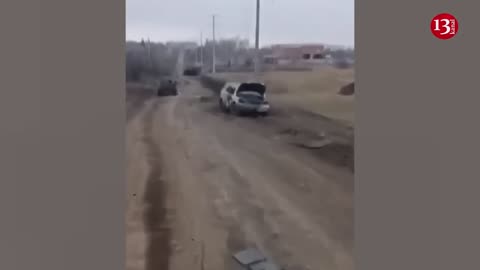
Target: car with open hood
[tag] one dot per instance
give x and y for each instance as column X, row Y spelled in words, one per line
column 246, row 97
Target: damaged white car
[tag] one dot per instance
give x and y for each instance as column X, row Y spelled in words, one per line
column 239, row 98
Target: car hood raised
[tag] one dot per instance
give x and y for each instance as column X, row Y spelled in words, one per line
column 252, row 87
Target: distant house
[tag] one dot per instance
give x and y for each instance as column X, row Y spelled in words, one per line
column 181, row 45
column 285, row 54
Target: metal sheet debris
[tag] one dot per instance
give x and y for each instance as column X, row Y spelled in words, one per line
column 249, row 256
column 252, row 259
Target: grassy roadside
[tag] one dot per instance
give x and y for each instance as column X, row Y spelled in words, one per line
column 313, row 91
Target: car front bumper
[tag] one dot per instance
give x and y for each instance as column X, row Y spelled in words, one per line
column 252, row 108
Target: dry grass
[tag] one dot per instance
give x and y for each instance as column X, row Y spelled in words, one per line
column 315, row 91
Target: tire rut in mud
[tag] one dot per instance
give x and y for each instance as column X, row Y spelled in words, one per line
column 155, row 216
column 135, row 97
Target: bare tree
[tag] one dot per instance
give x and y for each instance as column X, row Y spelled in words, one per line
column 163, row 60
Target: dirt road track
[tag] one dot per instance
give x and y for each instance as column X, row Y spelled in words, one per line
column 202, row 185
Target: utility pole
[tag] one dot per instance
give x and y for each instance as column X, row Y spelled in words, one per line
column 257, row 41
column 213, row 48
column 201, row 48
column 149, row 51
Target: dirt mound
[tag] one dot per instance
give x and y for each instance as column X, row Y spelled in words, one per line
column 348, row 89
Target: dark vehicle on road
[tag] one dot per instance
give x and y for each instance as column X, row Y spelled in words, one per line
column 167, row 88
column 192, row 71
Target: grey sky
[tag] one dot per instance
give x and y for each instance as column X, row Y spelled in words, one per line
column 282, row 21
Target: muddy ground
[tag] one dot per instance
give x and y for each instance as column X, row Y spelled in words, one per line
column 202, row 185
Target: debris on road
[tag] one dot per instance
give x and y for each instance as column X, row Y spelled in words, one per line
column 253, row 259
column 249, row 256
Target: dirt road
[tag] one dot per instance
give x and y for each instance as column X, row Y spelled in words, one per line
column 202, row 185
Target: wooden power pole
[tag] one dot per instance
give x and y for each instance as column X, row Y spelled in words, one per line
column 213, row 47
column 257, row 40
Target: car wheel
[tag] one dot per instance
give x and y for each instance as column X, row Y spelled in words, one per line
column 263, row 114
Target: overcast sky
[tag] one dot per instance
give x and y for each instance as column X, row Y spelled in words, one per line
column 282, row 21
